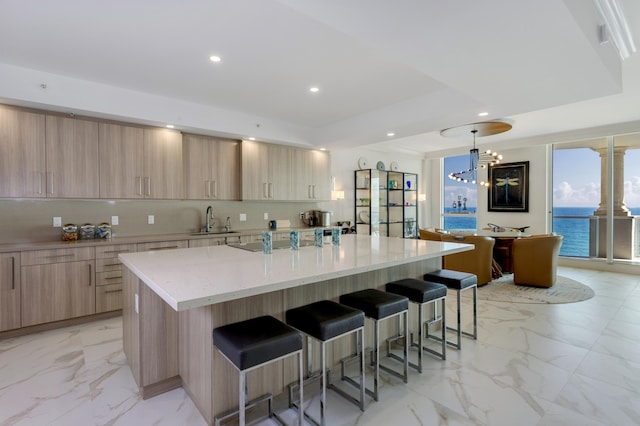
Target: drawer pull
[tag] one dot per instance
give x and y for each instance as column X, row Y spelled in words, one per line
column 90, row 274
column 117, row 251
column 113, row 264
column 163, row 248
column 113, row 278
column 113, row 291
column 53, row 256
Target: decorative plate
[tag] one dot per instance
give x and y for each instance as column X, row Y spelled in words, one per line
column 363, row 163
column 364, row 217
column 394, row 166
column 380, row 165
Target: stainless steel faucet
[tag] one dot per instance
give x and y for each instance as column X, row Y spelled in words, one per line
column 227, row 227
column 211, row 220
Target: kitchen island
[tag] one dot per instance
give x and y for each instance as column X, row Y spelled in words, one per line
column 174, row 298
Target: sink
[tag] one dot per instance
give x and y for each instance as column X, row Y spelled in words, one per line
column 213, row 233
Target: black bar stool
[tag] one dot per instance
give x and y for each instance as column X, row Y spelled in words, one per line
column 252, row 344
column 379, row 305
column 423, row 293
column 326, row 321
column 458, row 281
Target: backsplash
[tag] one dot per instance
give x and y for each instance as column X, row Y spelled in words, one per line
column 23, row 220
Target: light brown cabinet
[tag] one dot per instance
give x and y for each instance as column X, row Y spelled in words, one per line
column 266, row 171
column 9, row 291
column 310, row 175
column 22, row 153
column 162, row 245
column 109, row 276
column 72, row 158
column 211, row 168
column 140, row 163
column 57, row 284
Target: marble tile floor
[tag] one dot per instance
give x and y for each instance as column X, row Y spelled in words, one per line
column 570, row 364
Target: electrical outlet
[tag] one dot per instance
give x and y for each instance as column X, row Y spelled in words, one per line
column 266, row 216
column 114, row 220
column 243, row 217
column 57, row 221
column 151, row 219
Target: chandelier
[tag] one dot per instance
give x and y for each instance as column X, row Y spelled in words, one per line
column 477, row 159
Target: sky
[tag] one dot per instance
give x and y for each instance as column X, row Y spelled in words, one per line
column 576, row 179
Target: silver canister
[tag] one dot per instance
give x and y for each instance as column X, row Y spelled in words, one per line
column 87, row 231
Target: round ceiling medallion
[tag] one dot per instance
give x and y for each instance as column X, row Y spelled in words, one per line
column 483, row 128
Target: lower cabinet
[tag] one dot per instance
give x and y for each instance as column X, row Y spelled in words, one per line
column 109, row 276
column 9, row 291
column 57, row 291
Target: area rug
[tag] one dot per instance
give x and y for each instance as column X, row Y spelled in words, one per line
column 565, row 290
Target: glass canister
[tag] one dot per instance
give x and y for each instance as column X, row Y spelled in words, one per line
column 69, row 232
column 87, row 231
column 103, row 230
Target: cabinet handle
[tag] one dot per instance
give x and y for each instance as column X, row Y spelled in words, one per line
column 314, row 191
column 117, row 251
column 50, row 174
column 90, row 274
column 54, row 256
column 207, row 188
column 215, row 189
column 13, row 273
column 309, row 191
column 113, row 291
column 40, row 174
column 270, row 190
column 113, row 264
column 148, row 184
column 265, row 193
column 113, row 278
column 139, row 179
column 163, row 248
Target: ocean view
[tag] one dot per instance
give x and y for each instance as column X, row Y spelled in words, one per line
column 575, row 229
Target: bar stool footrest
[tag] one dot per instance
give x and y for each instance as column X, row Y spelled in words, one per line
column 267, row 397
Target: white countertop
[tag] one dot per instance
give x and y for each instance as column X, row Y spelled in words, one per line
column 194, row 277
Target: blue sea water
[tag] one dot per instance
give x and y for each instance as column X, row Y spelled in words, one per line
column 575, row 229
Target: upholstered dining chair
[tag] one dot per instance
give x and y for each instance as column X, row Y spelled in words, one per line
column 477, row 261
column 535, row 259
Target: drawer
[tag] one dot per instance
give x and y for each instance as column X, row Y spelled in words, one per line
column 109, row 298
column 111, row 251
column 110, row 277
column 43, row 257
column 255, row 238
column 104, row 265
column 232, row 240
column 162, row 245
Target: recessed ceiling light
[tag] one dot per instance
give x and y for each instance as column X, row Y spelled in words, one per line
column 483, row 114
column 214, row 58
column 314, row 89
column 323, row 149
column 391, row 134
column 170, row 126
column 252, row 138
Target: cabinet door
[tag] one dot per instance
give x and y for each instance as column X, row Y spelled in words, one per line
column 255, row 171
column 279, row 173
column 22, row 153
column 197, row 167
column 163, row 164
column 57, row 291
column 321, row 179
column 72, row 158
column 302, row 174
column 121, row 161
column 226, row 170
column 9, row 291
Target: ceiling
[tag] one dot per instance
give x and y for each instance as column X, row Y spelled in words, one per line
column 411, row 67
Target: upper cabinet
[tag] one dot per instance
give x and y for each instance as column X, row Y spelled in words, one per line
column 211, row 168
column 22, row 153
column 140, row 163
column 274, row 172
column 72, row 158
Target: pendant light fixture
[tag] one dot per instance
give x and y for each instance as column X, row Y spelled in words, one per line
column 477, row 159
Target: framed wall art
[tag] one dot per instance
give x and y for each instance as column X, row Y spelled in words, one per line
column 509, row 187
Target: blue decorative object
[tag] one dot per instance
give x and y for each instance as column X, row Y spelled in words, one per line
column 294, row 240
column 335, row 236
column 267, row 244
column 318, row 233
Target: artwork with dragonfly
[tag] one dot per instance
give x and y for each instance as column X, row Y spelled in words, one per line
column 509, row 187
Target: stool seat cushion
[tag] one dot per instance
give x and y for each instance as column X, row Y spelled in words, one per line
column 325, row 319
column 376, row 304
column 452, row 279
column 417, row 291
column 256, row 341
